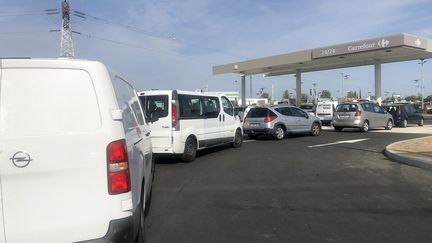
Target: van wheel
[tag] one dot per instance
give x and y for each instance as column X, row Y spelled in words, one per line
column 190, row 150
column 404, row 123
column 389, row 125
column 238, row 139
column 365, row 126
column 279, row 133
column 315, row 129
column 421, row 123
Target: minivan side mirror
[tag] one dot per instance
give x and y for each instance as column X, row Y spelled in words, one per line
column 236, row 111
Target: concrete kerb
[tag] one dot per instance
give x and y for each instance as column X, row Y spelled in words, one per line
column 408, row 158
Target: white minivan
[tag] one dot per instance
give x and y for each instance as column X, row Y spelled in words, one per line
column 75, row 153
column 183, row 122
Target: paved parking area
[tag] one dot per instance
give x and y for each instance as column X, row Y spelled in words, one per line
column 293, row 191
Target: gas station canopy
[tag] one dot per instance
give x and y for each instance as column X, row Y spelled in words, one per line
column 387, row 49
column 395, row 48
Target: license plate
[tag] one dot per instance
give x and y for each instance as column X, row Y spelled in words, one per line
column 254, row 124
column 343, row 116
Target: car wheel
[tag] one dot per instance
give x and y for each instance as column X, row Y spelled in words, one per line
column 389, row 125
column 338, row 129
column 421, row 123
column 190, row 150
column 315, row 129
column 279, row 133
column 238, row 139
column 365, row 126
column 404, row 123
column 252, row 136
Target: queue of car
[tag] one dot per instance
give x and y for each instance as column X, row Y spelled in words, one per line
column 82, row 169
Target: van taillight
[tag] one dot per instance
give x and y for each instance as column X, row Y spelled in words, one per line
column 269, row 118
column 173, row 115
column 357, row 113
column 118, row 168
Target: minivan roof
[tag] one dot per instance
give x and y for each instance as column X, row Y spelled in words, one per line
column 158, row 92
column 47, row 63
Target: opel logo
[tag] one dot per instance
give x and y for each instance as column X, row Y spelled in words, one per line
column 21, row 159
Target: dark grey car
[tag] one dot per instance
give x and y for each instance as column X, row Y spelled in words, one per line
column 279, row 120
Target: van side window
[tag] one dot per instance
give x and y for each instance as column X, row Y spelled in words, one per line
column 190, row 106
column 227, row 106
column 155, row 105
column 211, row 107
column 137, row 110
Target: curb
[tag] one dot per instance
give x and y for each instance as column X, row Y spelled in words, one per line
column 416, row 160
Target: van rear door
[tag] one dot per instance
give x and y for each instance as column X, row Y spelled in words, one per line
column 49, row 118
column 158, row 109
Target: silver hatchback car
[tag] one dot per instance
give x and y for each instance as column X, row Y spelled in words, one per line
column 363, row 115
column 279, row 120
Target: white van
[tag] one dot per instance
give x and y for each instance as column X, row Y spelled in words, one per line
column 75, row 154
column 325, row 110
column 183, row 122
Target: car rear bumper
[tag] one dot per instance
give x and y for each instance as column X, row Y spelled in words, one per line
column 258, row 131
column 355, row 123
column 119, row 230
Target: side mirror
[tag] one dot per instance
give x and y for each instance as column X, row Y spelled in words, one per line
column 236, row 111
column 153, row 117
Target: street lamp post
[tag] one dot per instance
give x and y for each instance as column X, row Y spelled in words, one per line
column 422, row 62
column 344, row 77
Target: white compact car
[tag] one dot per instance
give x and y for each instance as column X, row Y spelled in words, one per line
column 75, row 153
column 183, row 122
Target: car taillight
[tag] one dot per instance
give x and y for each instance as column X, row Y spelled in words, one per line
column 269, row 118
column 357, row 113
column 398, row 110
column 118, row 168
column 173, row 115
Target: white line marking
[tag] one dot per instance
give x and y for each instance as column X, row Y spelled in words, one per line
column 248, row 141
column 338, row 142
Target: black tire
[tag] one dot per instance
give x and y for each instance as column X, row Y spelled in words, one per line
column 421, row 122
column 279, row 133
column 315, row 129
column 365, row 126
column 389, row 125
column 338, row 129
column 190, row 150
column 252, row 136
column 404, row 123
column 238, row 139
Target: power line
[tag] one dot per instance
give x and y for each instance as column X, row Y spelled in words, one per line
column 148, row 33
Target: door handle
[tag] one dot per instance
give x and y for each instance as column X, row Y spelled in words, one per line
column 223, row 117
column 220, row 117
column 147, row 134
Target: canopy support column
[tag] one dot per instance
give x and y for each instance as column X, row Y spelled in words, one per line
column 298, row 88
column 243, row 90
column 378, row 97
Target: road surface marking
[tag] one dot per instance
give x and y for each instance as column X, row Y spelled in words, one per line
column 338, row 142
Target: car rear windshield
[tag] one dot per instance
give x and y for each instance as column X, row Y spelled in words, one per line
column 347, row 108
column 260, row 112
column 155, row 104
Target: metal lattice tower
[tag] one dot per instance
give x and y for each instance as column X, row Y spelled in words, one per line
column 66, row 44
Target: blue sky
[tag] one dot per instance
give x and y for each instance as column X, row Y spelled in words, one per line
column 161, row 44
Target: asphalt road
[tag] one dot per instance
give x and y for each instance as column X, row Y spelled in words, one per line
column 293, row 191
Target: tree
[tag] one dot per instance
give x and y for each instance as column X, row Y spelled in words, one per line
column 428, row 99
column 325, row 94
column 352, row 94
column 304, row 98
column 413, row 98
column 286, row 94
column 264, row 95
